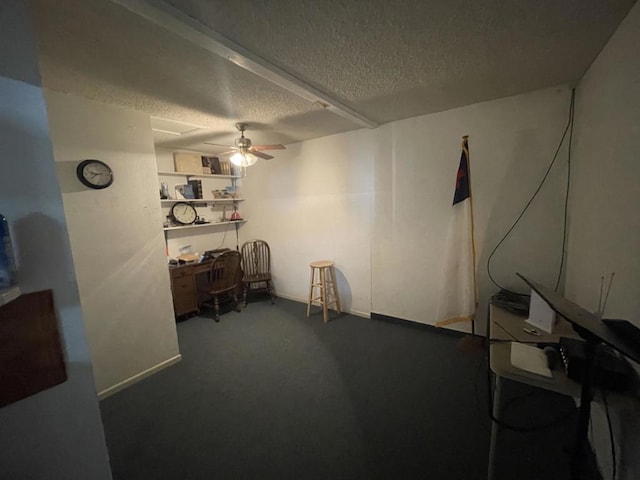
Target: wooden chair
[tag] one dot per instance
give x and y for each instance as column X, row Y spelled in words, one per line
column 256, row 268
column 223, row 279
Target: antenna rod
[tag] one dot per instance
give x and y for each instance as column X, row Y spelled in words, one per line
column 606, row 298
column 600, row 297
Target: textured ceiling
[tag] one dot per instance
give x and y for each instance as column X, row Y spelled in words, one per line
column 385, row 59
column 395, row 59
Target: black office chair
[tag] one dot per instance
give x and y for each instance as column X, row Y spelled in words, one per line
column 223, row 279
column 256, row 268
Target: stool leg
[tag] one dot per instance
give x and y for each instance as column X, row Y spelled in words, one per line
column 310, row 291
column 323, row 294
column 335, row 289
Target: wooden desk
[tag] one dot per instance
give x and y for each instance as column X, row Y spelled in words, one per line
column 184, row 286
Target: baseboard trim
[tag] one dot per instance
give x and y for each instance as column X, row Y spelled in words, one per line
column 136, row 378
column 417, row 325
column 357, row 313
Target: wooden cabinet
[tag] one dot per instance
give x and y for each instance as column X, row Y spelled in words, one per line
column 184, row 286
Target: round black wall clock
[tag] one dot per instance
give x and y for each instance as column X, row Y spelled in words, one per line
column 184, row 213
column 94, row 174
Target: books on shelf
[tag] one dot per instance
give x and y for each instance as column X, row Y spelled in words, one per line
column 184, row 192
column 211, row 165
column 196, row 186
column 225, row 167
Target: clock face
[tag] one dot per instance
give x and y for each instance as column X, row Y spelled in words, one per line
column 184, row 213
column 94, row 174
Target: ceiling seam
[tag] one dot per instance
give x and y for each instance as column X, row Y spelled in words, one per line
column 195, row 32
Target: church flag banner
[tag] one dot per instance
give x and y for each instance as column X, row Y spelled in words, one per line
column 458, row 292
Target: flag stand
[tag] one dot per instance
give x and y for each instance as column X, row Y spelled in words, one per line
column 471, row 343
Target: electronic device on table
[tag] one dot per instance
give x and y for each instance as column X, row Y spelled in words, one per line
column 610, row 370
column 211, row 254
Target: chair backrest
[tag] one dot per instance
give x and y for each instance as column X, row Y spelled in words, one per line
column 225, row 272
column 256, row 257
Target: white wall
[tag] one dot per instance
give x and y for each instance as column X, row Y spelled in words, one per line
column 316, row 199
column 511, row 141
column 202, row 238
column 604, row 234
column 55, row 434
column 116, row 238
column 605, row 225
column 313, row 202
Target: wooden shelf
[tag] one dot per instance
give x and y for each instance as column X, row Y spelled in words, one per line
column 213, row 224
column 9, row 294
column 197, row 175
column 202, row 200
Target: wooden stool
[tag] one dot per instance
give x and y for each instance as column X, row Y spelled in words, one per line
column 325, row 282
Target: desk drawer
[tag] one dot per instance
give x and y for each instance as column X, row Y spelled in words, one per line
column 181, row 284
column 181, row 272
column 184, row 295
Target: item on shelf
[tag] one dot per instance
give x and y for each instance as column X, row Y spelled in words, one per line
column 235, row 216
column 220, row 194
column 196, row 185
column 164, row 191
column 186, row 191
column 206, row 165
column 183, row 213
column 213, row 163
column 187, row 162
column 225, row 167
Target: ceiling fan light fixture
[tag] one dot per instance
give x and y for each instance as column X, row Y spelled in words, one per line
column 242, row 159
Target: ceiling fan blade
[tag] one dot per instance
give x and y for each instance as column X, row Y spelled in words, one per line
column 217, row 145
column 264, row 156
column 268, row 147
column 227, row 153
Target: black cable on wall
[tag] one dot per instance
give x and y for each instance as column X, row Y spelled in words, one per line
column 568, row 129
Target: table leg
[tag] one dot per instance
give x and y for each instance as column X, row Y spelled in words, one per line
column 497, row 393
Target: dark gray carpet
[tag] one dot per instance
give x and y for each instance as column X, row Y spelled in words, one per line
column 268, row 393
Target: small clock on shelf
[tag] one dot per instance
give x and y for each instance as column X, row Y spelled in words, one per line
column 184, row 213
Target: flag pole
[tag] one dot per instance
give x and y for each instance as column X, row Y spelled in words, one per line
column 465, row 147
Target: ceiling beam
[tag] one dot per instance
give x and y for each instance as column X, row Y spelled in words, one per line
column 190, row 29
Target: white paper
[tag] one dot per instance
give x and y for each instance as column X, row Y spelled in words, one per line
column 541, row 315
column 529, row 358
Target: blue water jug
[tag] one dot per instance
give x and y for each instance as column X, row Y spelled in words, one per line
column 7, row 263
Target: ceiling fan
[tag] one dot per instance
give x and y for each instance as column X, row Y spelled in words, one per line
column 244, row 152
